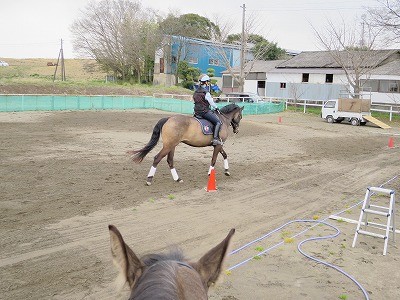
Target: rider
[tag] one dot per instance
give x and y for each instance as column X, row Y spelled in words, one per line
column 202, row 102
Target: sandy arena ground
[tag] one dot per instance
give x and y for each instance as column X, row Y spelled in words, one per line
column 64, row 177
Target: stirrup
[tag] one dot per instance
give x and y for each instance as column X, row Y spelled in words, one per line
column 217, row 141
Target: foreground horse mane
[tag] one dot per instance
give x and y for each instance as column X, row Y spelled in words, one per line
column 168, row 276
column 175, row 254
column 229, row 108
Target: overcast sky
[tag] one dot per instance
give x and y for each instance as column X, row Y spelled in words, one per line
column 34, row 28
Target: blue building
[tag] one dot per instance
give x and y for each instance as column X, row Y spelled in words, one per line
column 202, row 54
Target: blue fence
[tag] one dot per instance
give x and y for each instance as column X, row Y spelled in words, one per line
column 14, row 103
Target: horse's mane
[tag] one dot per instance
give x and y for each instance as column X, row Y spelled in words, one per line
column 229, row 108
column 174, row 254
column 159, row 281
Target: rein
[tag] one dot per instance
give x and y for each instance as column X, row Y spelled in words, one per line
column 232, row 123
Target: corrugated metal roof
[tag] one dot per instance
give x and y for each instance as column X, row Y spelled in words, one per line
column 391, row 68
column 324, row 59
column 259, row 66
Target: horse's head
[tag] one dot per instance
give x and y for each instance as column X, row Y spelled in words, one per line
column 236, row 117
column 167, row 276
column 234, row 113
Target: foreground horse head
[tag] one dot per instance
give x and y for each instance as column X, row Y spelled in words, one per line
column 186, row 129
column 167, row 276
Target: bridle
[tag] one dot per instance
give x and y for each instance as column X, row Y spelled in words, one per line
column 235, row 124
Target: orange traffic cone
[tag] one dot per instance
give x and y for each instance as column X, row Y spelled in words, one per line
column 212, row 182
column 391, row 143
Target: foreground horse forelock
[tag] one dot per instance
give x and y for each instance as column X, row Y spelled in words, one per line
column 167, row 276
column 186, row 129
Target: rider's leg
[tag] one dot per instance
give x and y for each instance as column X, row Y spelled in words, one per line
column 217, row 126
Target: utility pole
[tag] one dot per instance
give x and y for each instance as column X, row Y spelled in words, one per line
column 242, row 47
column 60, row 57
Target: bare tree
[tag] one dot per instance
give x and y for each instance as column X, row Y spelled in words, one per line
column 352, row 50
column 118, row 34
column 221, row 51
column 387, row 17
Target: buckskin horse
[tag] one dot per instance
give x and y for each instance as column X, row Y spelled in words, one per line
column 187, row 129
column 167, row 276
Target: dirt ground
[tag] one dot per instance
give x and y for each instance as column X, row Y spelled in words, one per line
column 64, row 177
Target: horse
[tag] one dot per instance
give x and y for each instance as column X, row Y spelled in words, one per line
column 186, row 129
column 167, row 276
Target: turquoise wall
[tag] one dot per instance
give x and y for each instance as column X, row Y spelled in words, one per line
column 13, row 103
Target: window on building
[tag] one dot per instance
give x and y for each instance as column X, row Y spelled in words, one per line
column 305, row 77
column 393, row 86
column 283, row 85
column 329, row 78
column 213, row 62
column 261, row 84
column 383, row 86
column 161, row 65
column 193, row 60
column 370, row 85
column 227, row 81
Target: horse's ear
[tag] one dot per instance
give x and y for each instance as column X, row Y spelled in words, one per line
column 242, row 108
column 210, row 265
column 129, row 265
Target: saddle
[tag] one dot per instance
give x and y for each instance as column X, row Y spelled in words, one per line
column 206, row 126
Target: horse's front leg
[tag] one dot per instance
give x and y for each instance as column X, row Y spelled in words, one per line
column 226, row 164
column 170, row 161
column 217, row 150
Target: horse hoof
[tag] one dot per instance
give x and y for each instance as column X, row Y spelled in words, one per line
column 227, row 173
column 148, row 183
column 179, row 180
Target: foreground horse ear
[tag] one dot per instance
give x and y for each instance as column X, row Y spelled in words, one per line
column 210, row 265
column 129, row 265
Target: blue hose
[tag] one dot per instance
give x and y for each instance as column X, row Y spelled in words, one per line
column 304, row 241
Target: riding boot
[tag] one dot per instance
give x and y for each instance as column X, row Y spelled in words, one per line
column 217, row 140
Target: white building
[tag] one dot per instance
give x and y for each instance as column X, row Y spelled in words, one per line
column 315, row 75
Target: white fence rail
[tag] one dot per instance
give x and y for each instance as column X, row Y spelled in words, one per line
column 378, row 107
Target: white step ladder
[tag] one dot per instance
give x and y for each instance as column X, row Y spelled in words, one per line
column 388, row 212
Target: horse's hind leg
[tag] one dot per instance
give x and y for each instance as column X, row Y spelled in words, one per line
column 160, row 155
column 226, row 164
column 170, row 161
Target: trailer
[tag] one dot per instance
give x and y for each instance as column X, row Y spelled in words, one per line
column 357, row 111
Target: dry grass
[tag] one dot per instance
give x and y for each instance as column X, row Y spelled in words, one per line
column 84, row 77
column 76, row 69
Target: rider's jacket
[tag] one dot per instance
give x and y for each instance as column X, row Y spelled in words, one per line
column 201, row 105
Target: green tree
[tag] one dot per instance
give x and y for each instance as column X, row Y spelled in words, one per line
column 262, row 49
column 189, row 25
column 187, row 74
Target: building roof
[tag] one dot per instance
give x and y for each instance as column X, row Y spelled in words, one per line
column 391, row 68
column 324, row 59
column 259, row 66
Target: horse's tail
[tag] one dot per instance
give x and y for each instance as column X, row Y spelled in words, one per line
column 138, row 155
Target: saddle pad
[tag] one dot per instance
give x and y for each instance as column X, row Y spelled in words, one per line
column 206, row 126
